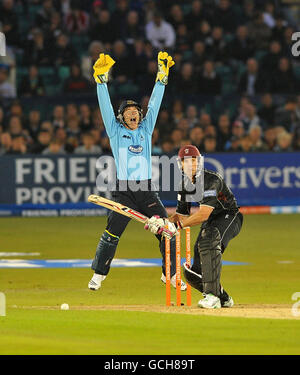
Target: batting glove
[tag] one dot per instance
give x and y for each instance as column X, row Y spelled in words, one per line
column 158, row 225
column 165, row 62
column 102, row 67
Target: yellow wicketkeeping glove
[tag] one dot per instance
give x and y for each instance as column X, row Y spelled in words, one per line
column 102, row 67
column 165, row 62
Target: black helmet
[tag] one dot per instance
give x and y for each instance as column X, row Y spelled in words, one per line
column 129, row 103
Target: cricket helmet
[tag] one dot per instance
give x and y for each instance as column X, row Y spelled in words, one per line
column 188, row 151
column 129, row 103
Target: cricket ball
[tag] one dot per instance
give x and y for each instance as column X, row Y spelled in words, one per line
column 64, row 306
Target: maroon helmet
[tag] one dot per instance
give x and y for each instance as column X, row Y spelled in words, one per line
column 188, row 151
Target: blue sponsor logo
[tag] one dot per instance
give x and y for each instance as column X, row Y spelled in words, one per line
column 210, row 193
column 135, row 149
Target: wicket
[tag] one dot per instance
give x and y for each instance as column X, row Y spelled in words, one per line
column 178, row 268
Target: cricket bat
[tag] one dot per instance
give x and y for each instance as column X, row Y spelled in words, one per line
column 118, row 207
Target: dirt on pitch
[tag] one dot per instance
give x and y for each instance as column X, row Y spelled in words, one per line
column 268, row 311
column 241, row 311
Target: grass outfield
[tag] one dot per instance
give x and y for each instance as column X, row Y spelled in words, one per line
column 127, row 315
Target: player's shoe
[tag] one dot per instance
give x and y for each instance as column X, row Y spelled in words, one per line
column 95, row 282
column 173, row 282
column 228, row 303
column 210, row 302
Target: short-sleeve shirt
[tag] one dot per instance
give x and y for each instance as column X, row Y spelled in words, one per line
column 216, row 195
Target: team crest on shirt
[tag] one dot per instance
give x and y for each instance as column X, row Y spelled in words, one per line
column 135, row 149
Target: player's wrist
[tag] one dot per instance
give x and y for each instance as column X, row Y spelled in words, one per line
column 101, row 78
column 179, row 224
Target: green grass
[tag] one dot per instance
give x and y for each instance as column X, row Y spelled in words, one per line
column 112, row 332
column 264, row 241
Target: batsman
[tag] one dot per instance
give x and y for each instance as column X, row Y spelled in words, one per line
column 130, row 136
column 220, row 221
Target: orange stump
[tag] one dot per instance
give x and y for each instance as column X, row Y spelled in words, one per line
column 178, row 270
column 188, row 262
column 168, row 272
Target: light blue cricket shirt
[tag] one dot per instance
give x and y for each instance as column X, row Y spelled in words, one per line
column 131, row 148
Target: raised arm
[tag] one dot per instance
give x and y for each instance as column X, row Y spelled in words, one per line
column 106, row 109
column 165, row 62
column 154, row 106
column 101, row 70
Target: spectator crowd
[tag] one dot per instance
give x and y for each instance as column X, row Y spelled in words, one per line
column 234, row 88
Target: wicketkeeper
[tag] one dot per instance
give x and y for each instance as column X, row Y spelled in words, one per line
column 221, row 221
column 130, row 136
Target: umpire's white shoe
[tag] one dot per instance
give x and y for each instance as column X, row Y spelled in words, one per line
column 95, row 282
column 228, row 303
column 173, row 282
column 210, row 302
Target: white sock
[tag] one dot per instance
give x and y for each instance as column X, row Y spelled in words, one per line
column 98, row 278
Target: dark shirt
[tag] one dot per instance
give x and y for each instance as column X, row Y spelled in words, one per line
column 64, row 56
column 226, row 18
column 239, row 50
column 77, row 85
column 192, row 20
column 185, row 86
column 198, row 60
column 284, row 117
column 210, row 86
column 124, row 67
column 261, row 84
column 222, row 139
column 270, row 62
column 9, row 17
column 32, row 87
column 33, row 131
column 216, row 194
column 104, row 32
column 37, row 148
column 278, row 33
column 267, row 114
column 43, row 18
column 147, row 81
column 132, row 32
column 216, row 49
column 118, row 19
column 283, row 82
column 37, row 56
